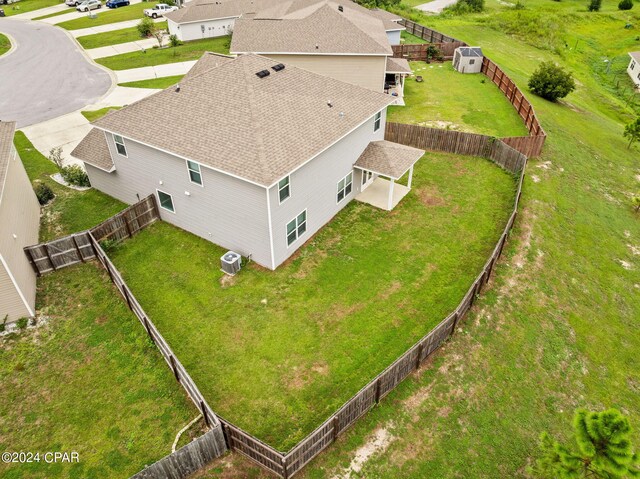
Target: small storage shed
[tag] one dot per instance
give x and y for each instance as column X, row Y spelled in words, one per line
column 633, row 70
column 468, row 59
column 19, row 224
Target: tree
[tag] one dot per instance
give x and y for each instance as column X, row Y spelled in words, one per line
column 604, row 449
column 635, row 201
column 625, row 5
column 594, row 5
column 146, row 27
column 632, row 132
column 159, row 36
column 551, row 81
column 55, row 155
column 174, row 42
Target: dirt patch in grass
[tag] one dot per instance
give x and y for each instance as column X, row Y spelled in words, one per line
column 431, row 196
column 376, row 444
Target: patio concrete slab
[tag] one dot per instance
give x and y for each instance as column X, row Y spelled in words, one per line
column 436, row 6
column 158, row 71
column 377, row 194
column 112, row 50
column 109, row 27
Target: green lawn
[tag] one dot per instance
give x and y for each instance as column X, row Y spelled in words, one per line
column 409, row 38
column 88, row 381
column 115, row 37
column 71, row 210
column 5, row 44
column 109, row 15
column 27, row 6
column 163, row 82
column 156, row 56
column 93, row 115
column 448, row 99
column 363, row 290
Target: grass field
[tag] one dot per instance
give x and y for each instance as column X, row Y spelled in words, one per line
column 71, row 210
column 25, row 6
column 448, row 99
column 334, row 317
column 155, row 56
column 5, row 44
column 88, row 381
column 108, row 15
column 93, row 115
column 115, row 37
column 409, row 38
column 163, row 82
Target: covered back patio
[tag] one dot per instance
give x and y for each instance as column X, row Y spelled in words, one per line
column 386, row 159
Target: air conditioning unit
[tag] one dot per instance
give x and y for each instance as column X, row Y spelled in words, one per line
column 231, row 262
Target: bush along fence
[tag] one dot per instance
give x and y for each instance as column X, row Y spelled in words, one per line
column 76, row 248
column 530, row 145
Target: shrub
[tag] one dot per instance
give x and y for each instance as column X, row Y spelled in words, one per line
column 551, row 82
column 55, row 155
column 3, row 326
column 146, row 27
column 625, row 5
column 108, row 245
column 466, row 6
column 174, row 41
column 75, row 175
column 22, row 323
column 635, row 201
column 43, row 192
column 632, row 132
column 595, row 5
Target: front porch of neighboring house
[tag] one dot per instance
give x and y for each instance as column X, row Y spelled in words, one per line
column 396, row 72
column 391, row 161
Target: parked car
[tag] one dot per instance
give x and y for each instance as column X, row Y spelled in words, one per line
column 89, row 5
column 73, row 3
column 159, row 10
column 117, row 3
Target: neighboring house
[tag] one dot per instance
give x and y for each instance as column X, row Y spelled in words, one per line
column 634, row 68
column 339, row 39
column 392, row 23
column 19, row 224
column 468, row 59
column 209, row 18
column 260, row 155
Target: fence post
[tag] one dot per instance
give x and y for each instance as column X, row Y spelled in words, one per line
column 125, row 292
column 173, row 366
column 46, row 250
column 420, row 346
column 145, row 323
column 456, row 318
column 204, row 413
column 378, row 391
column 126, row 224
column 285, row 472
column 36, row 269
column 336, row 425
column 75, row 243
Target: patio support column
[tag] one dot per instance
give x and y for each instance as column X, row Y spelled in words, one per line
column 390, row 202
column 410, row 177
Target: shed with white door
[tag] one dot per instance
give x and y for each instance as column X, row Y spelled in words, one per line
column 468, row 59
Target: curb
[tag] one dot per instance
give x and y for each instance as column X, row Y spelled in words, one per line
column 14, row 46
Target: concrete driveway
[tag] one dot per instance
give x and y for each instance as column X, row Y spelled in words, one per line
column 46, row 76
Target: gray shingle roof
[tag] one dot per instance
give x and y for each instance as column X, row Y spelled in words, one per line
column 388, row 158
column 398, row 65
column 470, row 51
column 313, row 27
column 635, row 56
column 7, row 130
column 259, row 129
column 199, row 10
column 93, row 149
column 206, row 62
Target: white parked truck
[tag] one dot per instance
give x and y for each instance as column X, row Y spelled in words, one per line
column 159, row 10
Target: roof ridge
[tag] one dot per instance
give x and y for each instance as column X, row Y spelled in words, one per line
column 371, row 17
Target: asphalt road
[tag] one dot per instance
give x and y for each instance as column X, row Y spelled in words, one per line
column 46, row 76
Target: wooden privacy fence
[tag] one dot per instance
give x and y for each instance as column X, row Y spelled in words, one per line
column 77, row 248
column 179, row 372
column 185, row 461
column 530, row 145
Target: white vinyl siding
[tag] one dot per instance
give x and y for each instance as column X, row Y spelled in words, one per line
column 377, row 120
column 120, row 147
column 284, row 189
column 345, row 185
column 166, row 201
column 195, row 175
column 296, row 228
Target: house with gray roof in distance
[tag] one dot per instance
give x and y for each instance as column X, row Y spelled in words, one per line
column 259, row 157
column 633, row 70
column 339, row 39
column 19, row 225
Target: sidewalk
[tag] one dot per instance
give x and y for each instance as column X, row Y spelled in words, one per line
column 41, row 12
column 111, row 50
column 73, row 14
column 158, row 71
column 110, row 27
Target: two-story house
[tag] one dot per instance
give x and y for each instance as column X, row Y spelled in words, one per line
column 257, row 156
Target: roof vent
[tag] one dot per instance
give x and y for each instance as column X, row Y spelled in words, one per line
column 178, row 88
column 340, row 8
column 278, row 67
column 329, row 104
column 341, row 114
column 317, row 46
column 263, row 73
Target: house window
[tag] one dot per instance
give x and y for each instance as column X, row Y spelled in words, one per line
column 366, row 176
column 194, row 172
column 119, row 141
column 633, row 64
column 284, row 191
column 472, row 61
column 296, row 227
column 377, row 119
column 344, row 186
column 166, row 201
